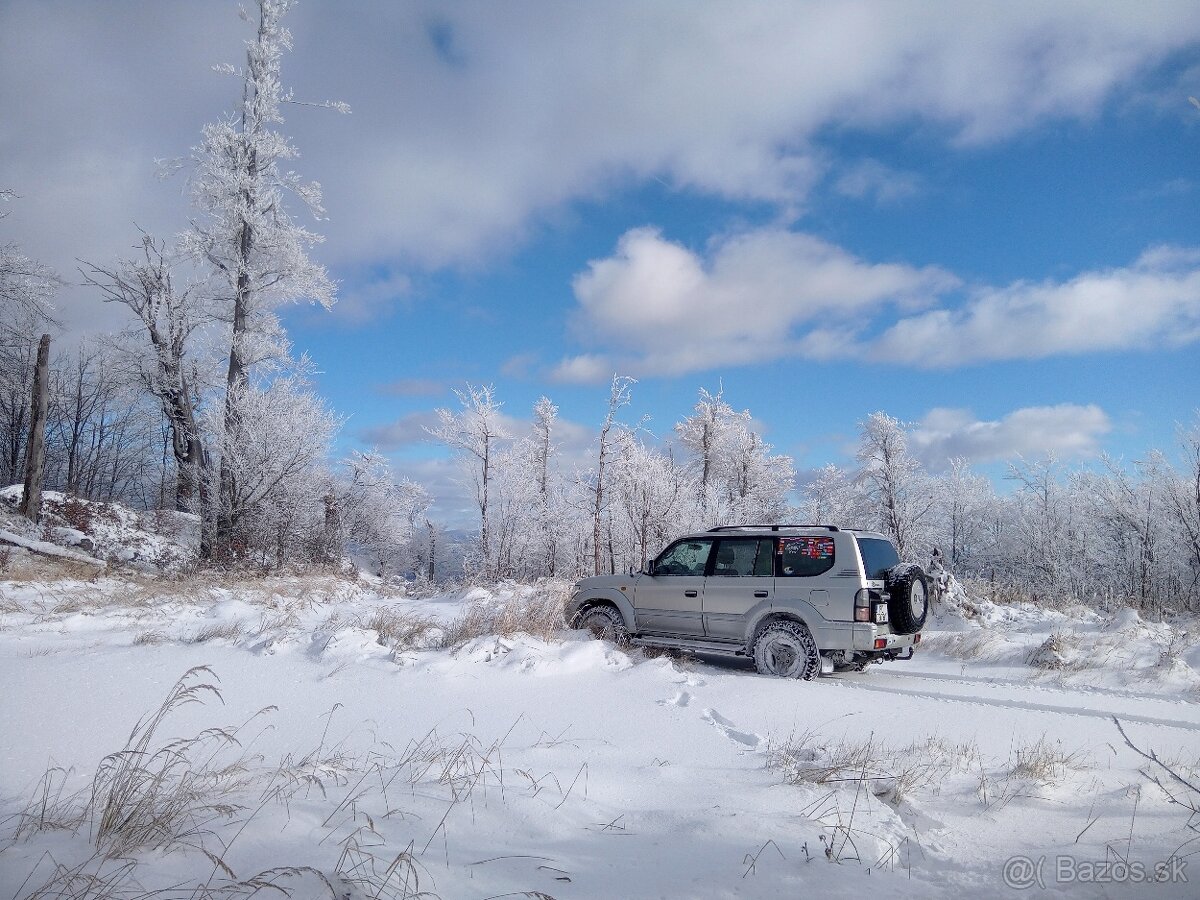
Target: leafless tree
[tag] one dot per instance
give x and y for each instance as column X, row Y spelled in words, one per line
column 169, row 317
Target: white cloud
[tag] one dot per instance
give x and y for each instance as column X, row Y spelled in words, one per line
column 1154, row 302
column 1066, row 430
column 465, row 133
column 407, row 431
column 871, row 179
column 657, row 308
column 369, row 299
column 587, row 368
column 756, row 296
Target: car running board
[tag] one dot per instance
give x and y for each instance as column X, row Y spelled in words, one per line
column 725, row 649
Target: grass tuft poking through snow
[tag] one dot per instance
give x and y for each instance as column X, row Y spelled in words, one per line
column 401, row 630
column 538, row 613
column 1059, row 652
column 154, row 799
column 190, row 799
column 219, row 631
column 1045, row 761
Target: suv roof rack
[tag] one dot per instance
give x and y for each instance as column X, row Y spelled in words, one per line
column 776, row 527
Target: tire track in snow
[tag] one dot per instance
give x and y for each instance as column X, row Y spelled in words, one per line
column 1025, row 684
column 1012, row 703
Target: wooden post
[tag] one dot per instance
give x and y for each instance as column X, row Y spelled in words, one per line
column 35, row 452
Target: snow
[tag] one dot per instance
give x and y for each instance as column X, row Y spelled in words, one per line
column 148, row 541
column 46, row 548
column 557, row 764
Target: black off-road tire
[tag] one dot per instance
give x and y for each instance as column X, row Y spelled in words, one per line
column 908, row 605
column 605, row 624
column 786, row 649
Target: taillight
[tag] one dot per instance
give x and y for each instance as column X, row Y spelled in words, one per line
column 917, row 638
column 863, row 598
column 880, row 643
column 862, row 614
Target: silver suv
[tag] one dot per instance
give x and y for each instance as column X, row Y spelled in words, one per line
column 799, row 599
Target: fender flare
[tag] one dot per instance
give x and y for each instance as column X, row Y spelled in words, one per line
column 774, row 613
column 615, row 598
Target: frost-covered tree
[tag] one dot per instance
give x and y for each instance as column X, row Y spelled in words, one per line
column 961, row 517
column 619, row 395
column 1128, row 514
column 1180, row 497
column 379, row 515
column 26, row 290
column 895, row 483
column 167, row 318
column 757, row 483
column 831, row 497
column 474, row 432
column 737, row 477
column 257, row 252
column 1049, row 538
column 652, row 493
column 545, row 417
column 275, row 460
column 704, row 435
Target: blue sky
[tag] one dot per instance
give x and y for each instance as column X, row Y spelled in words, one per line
column 981, row 218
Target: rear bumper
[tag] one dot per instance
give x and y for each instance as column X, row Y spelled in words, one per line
column 865, row 637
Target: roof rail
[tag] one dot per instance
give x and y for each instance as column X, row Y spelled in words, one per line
column 775, row 527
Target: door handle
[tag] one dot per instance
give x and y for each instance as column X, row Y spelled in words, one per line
column 691, row 593
column 760, row 593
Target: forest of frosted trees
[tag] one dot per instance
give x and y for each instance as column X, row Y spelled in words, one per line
column 201, row 406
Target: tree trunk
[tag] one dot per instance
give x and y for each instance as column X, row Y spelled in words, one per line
column 237, row 376
column 35, row 452
column 484, row 537
column 432, row 548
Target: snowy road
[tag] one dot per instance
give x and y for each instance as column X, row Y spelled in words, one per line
column 603, row 774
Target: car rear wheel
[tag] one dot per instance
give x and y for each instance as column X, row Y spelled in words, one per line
column 787, row 650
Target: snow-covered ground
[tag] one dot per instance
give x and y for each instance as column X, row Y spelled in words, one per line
column 372, row 760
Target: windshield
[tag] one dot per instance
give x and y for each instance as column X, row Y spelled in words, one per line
column 878, row 556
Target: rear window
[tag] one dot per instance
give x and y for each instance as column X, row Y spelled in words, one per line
column 801, row 556
column 878, row 556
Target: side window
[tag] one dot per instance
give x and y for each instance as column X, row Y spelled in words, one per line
column 684, row 558
column 764, row 566
column 735, row 557
column 745, row 557
column 805, row 556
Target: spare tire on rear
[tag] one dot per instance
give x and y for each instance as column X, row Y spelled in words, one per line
column 908, row 603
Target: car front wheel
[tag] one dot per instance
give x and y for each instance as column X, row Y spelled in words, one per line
column 604, row 623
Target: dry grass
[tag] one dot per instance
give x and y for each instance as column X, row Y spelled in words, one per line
column 195, row 796
column 150, row 637
column 145, row 798
column 1059, row 652
column 402, row 630
column 1031, row 767
column 890, row 773
column 539, row 614
column 10, row 605
column 1044, row 761
column 218, row 631
column 983, row 644
column 51, row 808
